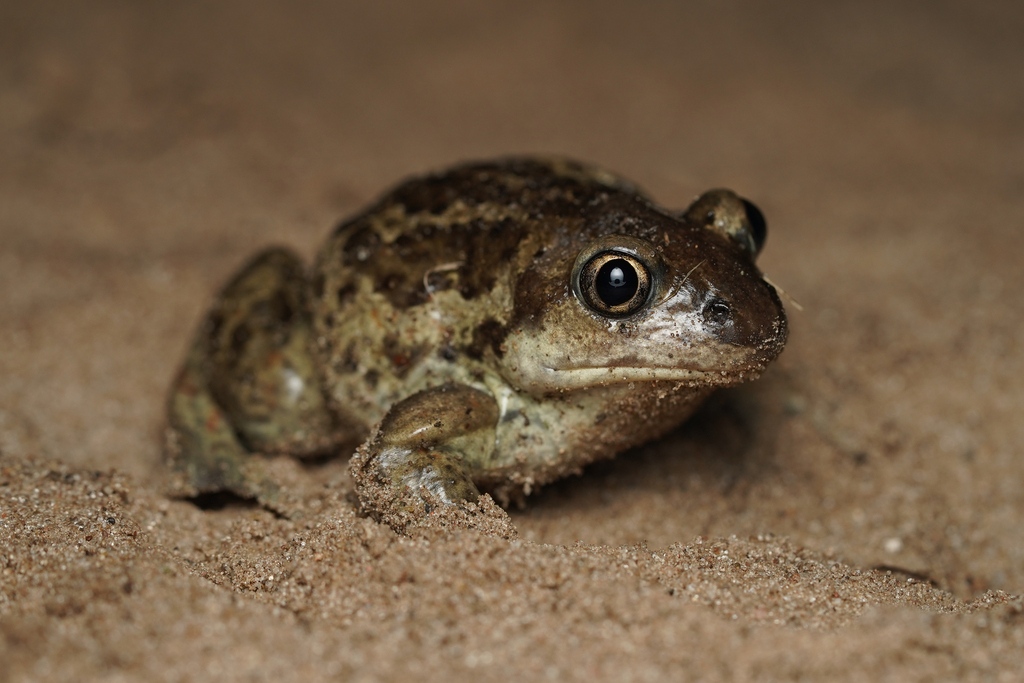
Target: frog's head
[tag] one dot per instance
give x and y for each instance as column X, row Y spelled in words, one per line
column 629, row 293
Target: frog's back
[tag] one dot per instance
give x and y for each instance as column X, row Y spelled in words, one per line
column 408, row 294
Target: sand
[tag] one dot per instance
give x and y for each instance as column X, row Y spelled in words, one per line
column 855, row 514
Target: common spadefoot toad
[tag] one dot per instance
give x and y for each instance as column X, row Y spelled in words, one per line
column 491, row 327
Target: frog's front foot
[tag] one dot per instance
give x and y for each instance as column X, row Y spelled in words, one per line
column 420, row 465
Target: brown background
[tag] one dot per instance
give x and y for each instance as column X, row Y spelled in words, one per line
column 847, row 517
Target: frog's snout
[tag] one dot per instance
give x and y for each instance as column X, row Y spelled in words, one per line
column 753, row 319
column 767, row 327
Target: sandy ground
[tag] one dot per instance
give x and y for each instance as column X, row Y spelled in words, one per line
column 854, row 515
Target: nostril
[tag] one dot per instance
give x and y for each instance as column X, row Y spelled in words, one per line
column 717, row 312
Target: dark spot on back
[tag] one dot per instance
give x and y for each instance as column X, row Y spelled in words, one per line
column 402, row 357
column 535, row 293
column 441, row 280
column 345, row 294
column 495, row 246
column 361, row 246
column 214, row 323
column 433, row 194
column 489, row 333
column 317, row 285
column 348, row 359
column 282, row 308
column 415, row 297
column 239, row 338
column 389, row 282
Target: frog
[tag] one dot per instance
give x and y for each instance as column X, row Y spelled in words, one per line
column 478, row 331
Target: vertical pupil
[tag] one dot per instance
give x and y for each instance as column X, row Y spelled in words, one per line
column 616, row 282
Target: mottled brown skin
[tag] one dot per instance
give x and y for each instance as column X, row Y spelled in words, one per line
column 466, row 314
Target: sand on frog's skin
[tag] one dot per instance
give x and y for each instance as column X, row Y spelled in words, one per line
column 854, row 515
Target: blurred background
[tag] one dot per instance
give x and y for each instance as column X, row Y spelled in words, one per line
column 147, row 148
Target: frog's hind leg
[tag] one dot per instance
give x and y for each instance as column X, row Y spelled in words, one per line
column 249, row 385
column 201, row 447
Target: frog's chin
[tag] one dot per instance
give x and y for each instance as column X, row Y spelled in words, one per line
column 589, row 377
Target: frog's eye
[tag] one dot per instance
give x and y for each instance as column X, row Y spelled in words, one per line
column 727, row 213
column 614, row 283
column 758, row 225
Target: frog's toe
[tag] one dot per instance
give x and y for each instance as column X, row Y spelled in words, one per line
column 425, row 490
column 413, row 480
column 424, row 454
column 441, row 474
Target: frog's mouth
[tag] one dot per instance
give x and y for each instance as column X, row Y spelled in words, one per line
column 583, row 377
column 715, row 365
column 541, row 365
